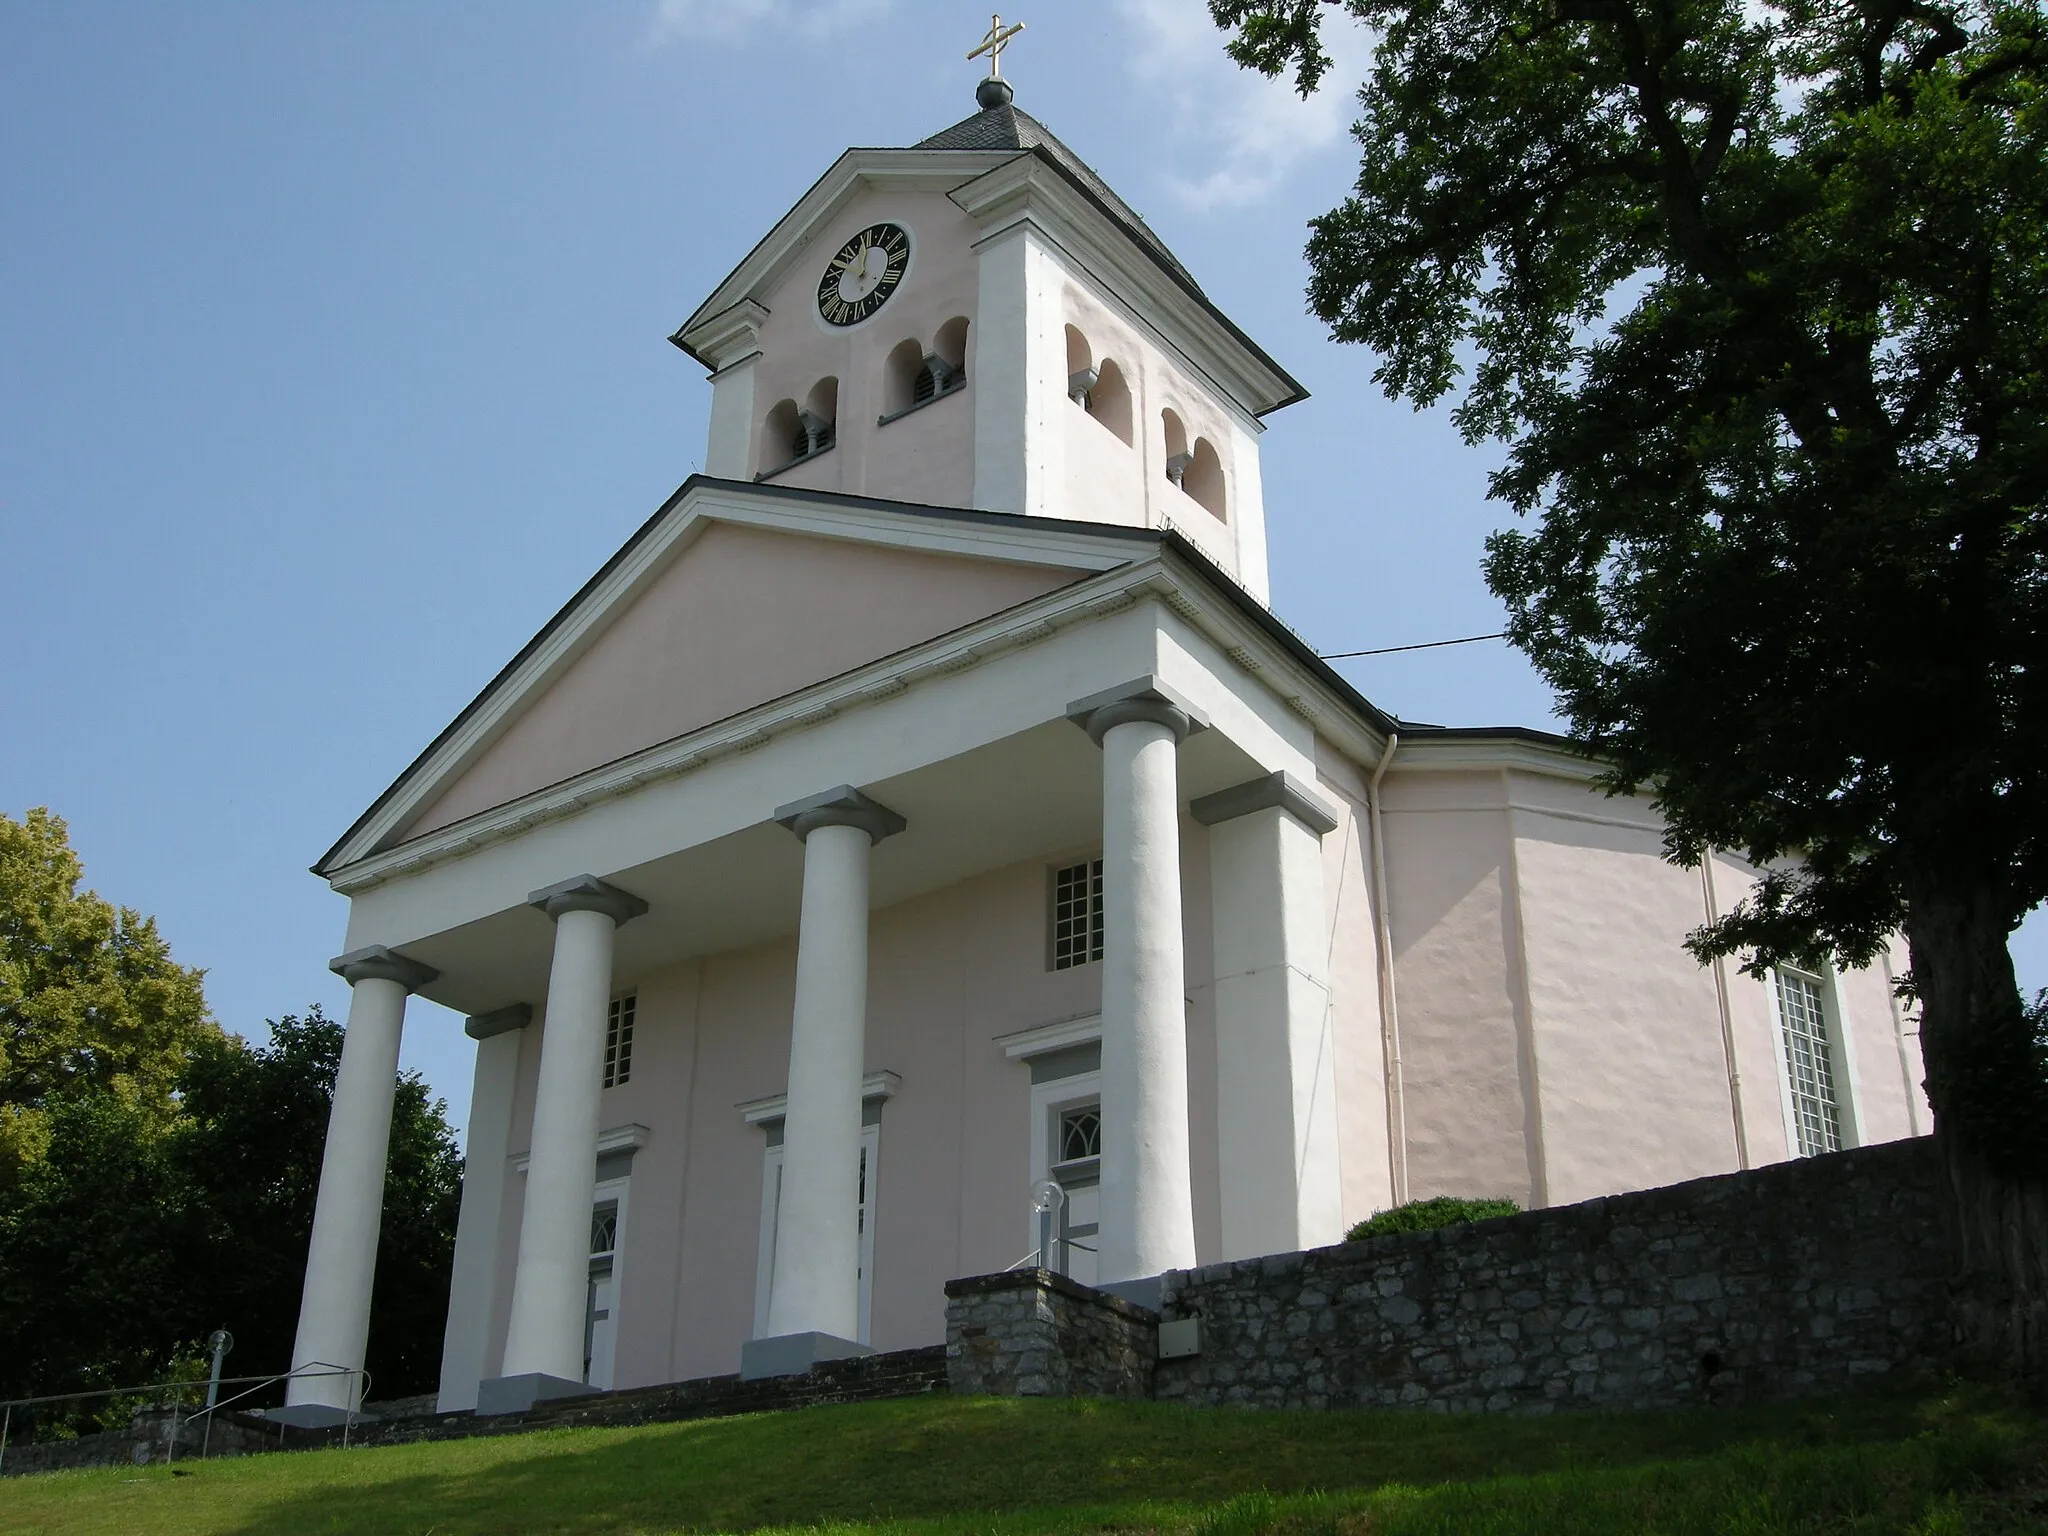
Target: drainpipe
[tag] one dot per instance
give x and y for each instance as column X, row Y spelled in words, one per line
column 1727, row 1020
column 1390, row 1010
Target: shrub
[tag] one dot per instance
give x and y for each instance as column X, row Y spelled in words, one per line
column 1427, row 1215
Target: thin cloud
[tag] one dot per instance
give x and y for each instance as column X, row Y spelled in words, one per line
column 733, row 22
column 1236, row 134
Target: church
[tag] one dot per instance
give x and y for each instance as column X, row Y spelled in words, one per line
column 920, row 851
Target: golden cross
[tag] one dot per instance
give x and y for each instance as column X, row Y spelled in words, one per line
column 993, row 45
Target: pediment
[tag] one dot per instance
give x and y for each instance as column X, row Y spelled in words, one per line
column 729, row 598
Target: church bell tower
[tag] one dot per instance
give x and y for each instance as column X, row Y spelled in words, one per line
column 980, row 321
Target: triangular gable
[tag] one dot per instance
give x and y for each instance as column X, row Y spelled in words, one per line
column 743, row 616
column 730, row 596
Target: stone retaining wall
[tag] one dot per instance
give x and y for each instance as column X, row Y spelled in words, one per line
column 1801, row 1278
column 1032, row 1333
column 153, row 1435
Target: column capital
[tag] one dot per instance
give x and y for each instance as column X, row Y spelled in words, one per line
column 376, row 963
column 587, row 893
column 481, row 1026
column 842, row 806
column 1282, row 790
column 1142, row 698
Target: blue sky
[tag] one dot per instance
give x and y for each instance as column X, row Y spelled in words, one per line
column 332, row 361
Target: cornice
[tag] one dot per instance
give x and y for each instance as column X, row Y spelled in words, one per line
column 722, row 339
column 1434, row 749
column 775, row 1106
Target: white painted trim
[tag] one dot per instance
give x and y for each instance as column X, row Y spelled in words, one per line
column 1043, row 1039
column 764, row 1247
column 1590, row 818
column 613, row 1189
column 1421, row 754
column 620, row 1138
column 876, row 1085
column 1048, row 1100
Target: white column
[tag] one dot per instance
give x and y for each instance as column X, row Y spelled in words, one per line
column 472, row 1286
column 341, row 1260
column 816, row 1284
column 1148, row 1218
column 550, row 1287
column 1276, row 1087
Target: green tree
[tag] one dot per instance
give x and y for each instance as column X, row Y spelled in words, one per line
column 248, row 1150
column 158, row 1175
column 89, row 994
column 1756, row 295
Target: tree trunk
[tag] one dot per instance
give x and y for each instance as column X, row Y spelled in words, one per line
column 1984, row 1082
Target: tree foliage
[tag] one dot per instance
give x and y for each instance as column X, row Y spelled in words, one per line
column 158, row 1175
column 1757, row 297
column 89, row 994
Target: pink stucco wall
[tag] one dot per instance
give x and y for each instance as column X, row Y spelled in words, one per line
column 930, row 461
column 1558, row 1044
column 714, row 635
column 1558, row 1041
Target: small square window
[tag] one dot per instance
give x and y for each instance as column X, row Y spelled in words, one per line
column 618, row 1040
column 1076, row 915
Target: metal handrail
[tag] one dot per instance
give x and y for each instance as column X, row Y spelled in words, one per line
column 312, row 1370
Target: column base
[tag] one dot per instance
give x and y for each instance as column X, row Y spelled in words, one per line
column 793, row 1354
column 518, row 1394
column 316, row 1416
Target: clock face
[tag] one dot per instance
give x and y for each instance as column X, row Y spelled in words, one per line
column 863, row 273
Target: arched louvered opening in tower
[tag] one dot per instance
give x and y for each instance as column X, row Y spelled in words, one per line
column 1204, row 479
column 914, row 376
column 1109, row 402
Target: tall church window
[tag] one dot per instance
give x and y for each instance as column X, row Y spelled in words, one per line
column 1809, row 1062
column 1077, row 914
column 618, row 1040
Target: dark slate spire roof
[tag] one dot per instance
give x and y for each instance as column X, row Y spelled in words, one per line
column 1000, row 125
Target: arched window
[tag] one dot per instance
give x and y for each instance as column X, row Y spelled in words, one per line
column 1080, row 368
column 1109, row 401
column 1204, row 478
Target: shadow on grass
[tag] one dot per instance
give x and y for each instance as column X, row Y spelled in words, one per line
column 1036, row 1465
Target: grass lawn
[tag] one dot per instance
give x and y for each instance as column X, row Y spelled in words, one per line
column 1939, row 1464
